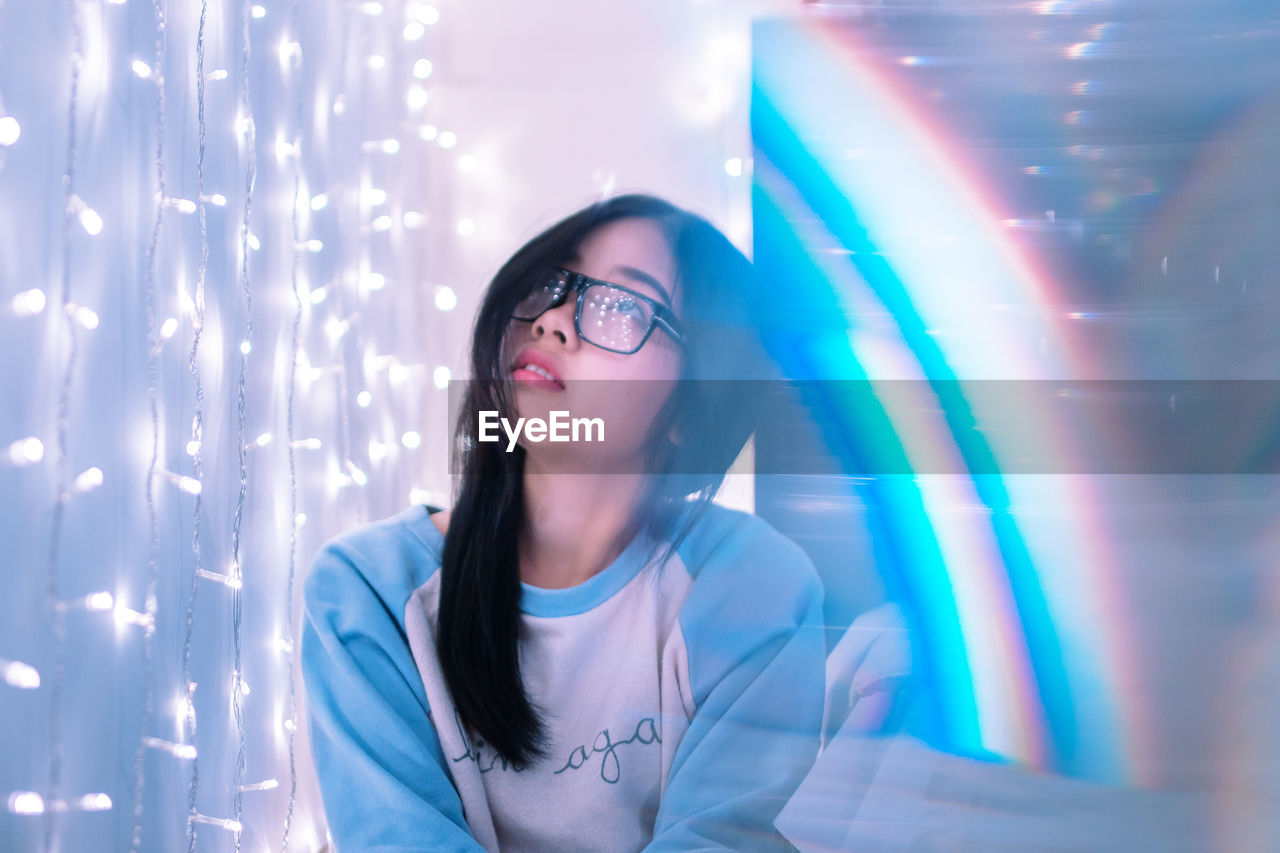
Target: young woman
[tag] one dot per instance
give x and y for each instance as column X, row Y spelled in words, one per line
column 586, row 653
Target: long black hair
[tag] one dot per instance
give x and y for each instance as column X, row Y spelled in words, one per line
column 479, row 618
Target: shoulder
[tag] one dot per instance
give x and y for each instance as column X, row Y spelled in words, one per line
column 744, row 569
column 754, row 592
column 731, row 546
column 384, row 561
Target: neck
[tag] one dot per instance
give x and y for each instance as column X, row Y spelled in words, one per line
column 574, row 525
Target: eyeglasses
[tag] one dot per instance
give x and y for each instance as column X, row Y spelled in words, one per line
column 608, row 315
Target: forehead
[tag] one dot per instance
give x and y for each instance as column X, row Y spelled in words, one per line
column 639, row 244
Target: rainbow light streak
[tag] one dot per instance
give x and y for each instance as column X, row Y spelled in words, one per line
column 906, row 216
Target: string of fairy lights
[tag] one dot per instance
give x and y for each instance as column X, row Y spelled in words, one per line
column 185, row 704
column 28, row 801
column 155, row 343
column 353, row 200
column 238, row 689
column 291, row 386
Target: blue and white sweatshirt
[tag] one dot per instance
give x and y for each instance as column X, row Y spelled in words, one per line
column 683, row 702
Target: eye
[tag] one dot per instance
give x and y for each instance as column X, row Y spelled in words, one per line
column 630, row 307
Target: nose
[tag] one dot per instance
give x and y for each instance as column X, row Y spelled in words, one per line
column 558, row 322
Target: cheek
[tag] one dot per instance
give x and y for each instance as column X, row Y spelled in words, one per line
column 648, row 383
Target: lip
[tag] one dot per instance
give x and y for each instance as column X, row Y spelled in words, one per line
column 532, row 355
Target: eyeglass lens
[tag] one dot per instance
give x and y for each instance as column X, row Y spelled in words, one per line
column 611, row 318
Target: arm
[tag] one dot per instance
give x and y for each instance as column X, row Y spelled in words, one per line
column 753, row 630
column 379, row 763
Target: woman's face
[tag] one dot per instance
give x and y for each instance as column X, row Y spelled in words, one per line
column 632, row 253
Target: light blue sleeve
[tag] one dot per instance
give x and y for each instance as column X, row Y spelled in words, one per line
column 379, row 763
column 752, row 624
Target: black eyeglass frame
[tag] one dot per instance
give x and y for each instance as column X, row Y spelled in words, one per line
column 660, row 314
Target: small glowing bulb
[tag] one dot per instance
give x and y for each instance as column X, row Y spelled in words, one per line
column 142, row 69
column 364, row 399
column 319, row 295
column 300, row 519
column 398, row 373
column 90, row 479
column 382, row 223
column 314, row 245
column 416, row 98
column 190, row 485
column 86, row 317
column 127, row 616
column 244, row 685
column 254, row 242
column 21, row 675
column 318, row 202
column 219, row 74
column 422, row 69
column 428, row 132
column 168, row 328
column 357, row 476
column 377, row 451
column 99, row 601
column 377, row 62
column 390, row 146
column 412, row 219
column 26, row 451
column 193, row 448
column 26, row 802
column 10, row 130
column 245, row 347
column 28, row 302
column 288, row 50
column 259, row 11
column 335, row 328
column 413, row 31
column 375, row 280
column 371, row 8
column 446, row 299
column 218, row 200
column 448, row 139
column 91, row 221
column 411, row 440
column 441, row 376
column 374, row 196
column 309, row 443
column 262, row 440
column 284, row 149
column 428, row 15
column 466, row 227
column 184, row 205
column 467, row 163
column 733, row 167
column 95, row 803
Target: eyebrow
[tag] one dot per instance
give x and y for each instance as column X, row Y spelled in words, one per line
column 635, row 273
column 641, row 275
